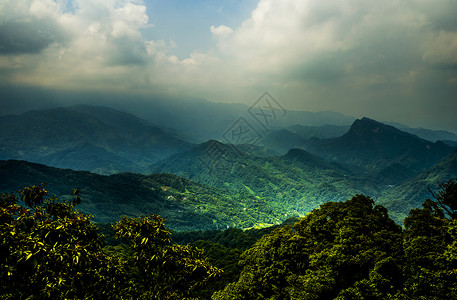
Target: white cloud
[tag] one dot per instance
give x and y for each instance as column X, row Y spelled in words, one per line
column 221, row 31
column 128, row 19
column 94, row 41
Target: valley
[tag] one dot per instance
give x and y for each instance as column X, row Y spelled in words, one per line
column 123, row 166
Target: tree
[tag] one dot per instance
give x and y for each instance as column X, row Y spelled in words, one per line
column 160, row 270
column 49, row 250
column 446, row 197
column 430, row 249
column 342, row 250
column 52, row 250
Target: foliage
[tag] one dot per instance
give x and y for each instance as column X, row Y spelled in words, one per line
column 342, row 250
column 223, row 258
column 283, row 187
column 446, row 197
column 185, row 204
column 353, row 250
column 51, row 251
column 335, row 251
column 430, row 248
column 162, row 271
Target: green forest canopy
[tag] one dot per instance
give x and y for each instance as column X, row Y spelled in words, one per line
column 342, row 250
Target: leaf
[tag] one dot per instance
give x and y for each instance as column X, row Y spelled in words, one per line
column 28, row 256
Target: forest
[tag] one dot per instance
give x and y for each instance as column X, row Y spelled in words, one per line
column 341, row 250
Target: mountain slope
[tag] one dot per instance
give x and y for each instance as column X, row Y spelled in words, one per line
column 186, row 205
column 412, row 193
column 282, row 141
column 298, row 181
column 373, row 146
column 427, row 134
column 321, row 132
column 198, row 118
column 83, row 137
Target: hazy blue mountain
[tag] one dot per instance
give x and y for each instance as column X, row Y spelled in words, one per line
column 282, row 141
column 326, row 131
column 86, row 156
column 295, row 136
column 198, row 119
column 204, row 120
column 83, row 137
column 307, row 118
column 186, row 205
column 427, row 134
column 372, row 146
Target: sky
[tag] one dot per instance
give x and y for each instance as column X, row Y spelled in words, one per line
column 391, row 60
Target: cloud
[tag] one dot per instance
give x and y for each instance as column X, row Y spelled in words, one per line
column 128, row 19
column 441, row 49
column 30, row 37
column 358, row 57
column 221, row 31
column 27, row 27
column 76, row 44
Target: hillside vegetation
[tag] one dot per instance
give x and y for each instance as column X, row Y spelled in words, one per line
column 342, row 250
column 185, row 204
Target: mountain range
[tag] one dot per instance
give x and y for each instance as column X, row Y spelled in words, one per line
column 199, row 119
column 372, row 146
column 411, row 193
column 291, row 170
column 96, row 139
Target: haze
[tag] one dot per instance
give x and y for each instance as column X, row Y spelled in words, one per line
column 388, row 60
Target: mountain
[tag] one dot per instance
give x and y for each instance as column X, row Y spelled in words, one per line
column 199, row 119
column 373, row 146
column 427, row 134
column 185, row 204
column 82, row 137
column 297, row 181
column 282, row 140
column 450, row 143
column 412, row 193
column 204, row 120
column 326, row 131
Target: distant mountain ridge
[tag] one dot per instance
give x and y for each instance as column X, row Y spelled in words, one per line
column 198, row 118
column 83, row 137
column 290, row 171
column 427, row 134
column 372, row 145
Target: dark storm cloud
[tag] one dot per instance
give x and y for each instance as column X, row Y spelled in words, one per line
column 28, row 37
